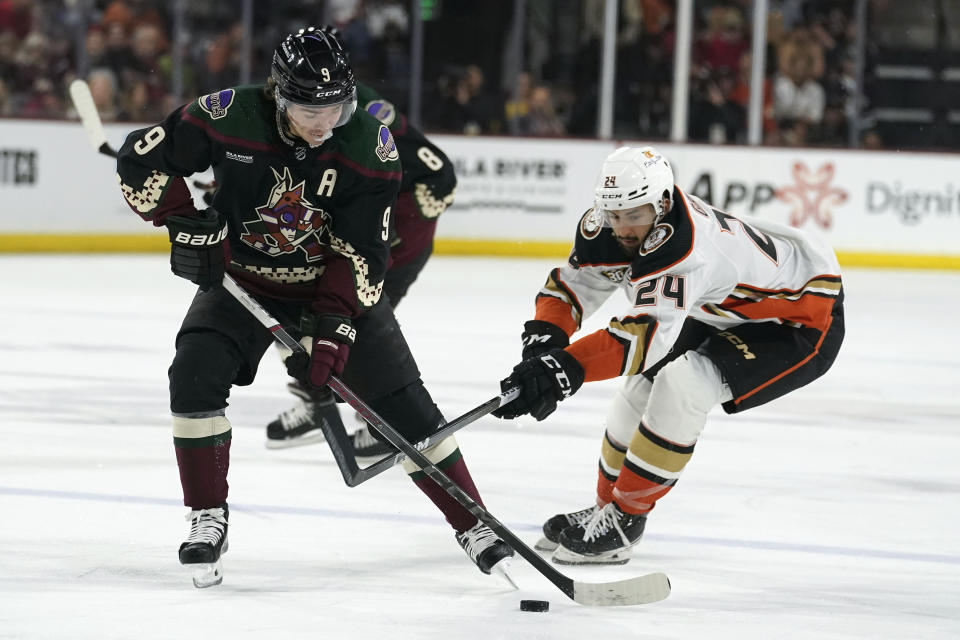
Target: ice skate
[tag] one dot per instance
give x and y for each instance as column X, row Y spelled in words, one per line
column 205, row 544
column 488, row 551
column 605, row 538
column 366, row 448
column 300, row 424
column 553, row 527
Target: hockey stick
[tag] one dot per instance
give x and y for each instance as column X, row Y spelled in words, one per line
column 89, row 117
column 644, row 589
column 93, row 125
column 340, row 443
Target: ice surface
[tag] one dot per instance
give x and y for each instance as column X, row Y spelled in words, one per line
column 831, row 513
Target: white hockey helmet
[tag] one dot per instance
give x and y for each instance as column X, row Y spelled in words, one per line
column 634, row 176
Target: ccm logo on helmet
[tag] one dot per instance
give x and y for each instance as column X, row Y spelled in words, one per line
column 199, row 240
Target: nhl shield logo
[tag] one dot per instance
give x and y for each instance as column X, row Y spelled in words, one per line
column 386, row 148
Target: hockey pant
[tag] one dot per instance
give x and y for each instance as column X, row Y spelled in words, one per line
column 655, row 418
column 220, row 345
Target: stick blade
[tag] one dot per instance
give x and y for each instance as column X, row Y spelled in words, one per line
column 652, row 587
column 87, row 110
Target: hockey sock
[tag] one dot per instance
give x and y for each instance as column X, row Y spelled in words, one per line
column 452, row 464
column 611, row 461
column 651, row 468
column 203, row 456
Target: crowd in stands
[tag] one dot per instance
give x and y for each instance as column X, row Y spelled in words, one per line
column 127, row 48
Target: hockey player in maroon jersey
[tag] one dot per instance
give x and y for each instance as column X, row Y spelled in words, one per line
column 302, row 220
column 722, row 310
column 426, row 190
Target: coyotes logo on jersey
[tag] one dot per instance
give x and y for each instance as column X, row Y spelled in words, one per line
column 286, row 222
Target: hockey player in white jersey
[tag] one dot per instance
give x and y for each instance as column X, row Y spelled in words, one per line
column 723, row 310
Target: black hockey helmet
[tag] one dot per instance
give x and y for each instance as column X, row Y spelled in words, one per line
column 312, row 68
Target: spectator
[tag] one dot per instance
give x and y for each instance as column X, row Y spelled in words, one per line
column 466, row 108
column 801, row 42
column 95, row 46
column 42, row 101
column 793, row 132
column 103, row 89
column 218, row 69
column 16, row 16
column 6, row 106
column 148, row 44
column 386, row 14
column 517, row 105
column 796, row 94
column 31, row 63
column 713, row 116
column 541, row 118
column 740, row 94
column 8, row 53
column 116, row 51
column 724, row 41
column 871, row 139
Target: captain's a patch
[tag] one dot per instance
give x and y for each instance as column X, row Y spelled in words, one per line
column 386, row 148
column 657, row 237
column 217, row 104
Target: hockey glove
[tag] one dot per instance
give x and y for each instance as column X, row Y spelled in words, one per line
column 329, row 350
column 197, row 247
column 543, row 380
column 540, row 336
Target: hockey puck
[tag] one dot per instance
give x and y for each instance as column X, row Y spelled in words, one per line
column 535, row 605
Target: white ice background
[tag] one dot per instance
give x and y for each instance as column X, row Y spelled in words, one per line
column 831, row 513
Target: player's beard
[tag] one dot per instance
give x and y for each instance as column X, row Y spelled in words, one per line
column 629, row 250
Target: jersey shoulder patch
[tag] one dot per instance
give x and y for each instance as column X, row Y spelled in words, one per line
column 595, row 244
column 242, row 112
column 382, row 110
column 386, row 147
column 667, row 244
column 591, row 224
column 367, row 142
column 216, row 105
column 656, row 238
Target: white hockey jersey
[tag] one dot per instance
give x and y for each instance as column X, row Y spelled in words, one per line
column 698, row 262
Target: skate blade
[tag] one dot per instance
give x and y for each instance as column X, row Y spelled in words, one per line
column 300, row 441
column 207, row 575
column 564, row 556
column 543, row 544
column 502, row 569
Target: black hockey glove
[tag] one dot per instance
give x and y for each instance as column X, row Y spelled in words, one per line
column 540, row 336
column 332, row 338
column 543, row 380
column 197, row 247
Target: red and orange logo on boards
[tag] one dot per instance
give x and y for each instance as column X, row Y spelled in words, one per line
column 812, row 196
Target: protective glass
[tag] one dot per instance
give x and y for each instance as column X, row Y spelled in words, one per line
column 311, row 116
column 638, row 216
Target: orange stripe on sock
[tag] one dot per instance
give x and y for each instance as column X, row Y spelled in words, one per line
column 634, row 494
column 604, row 489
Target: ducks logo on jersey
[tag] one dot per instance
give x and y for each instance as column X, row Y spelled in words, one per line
column 657, row 237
